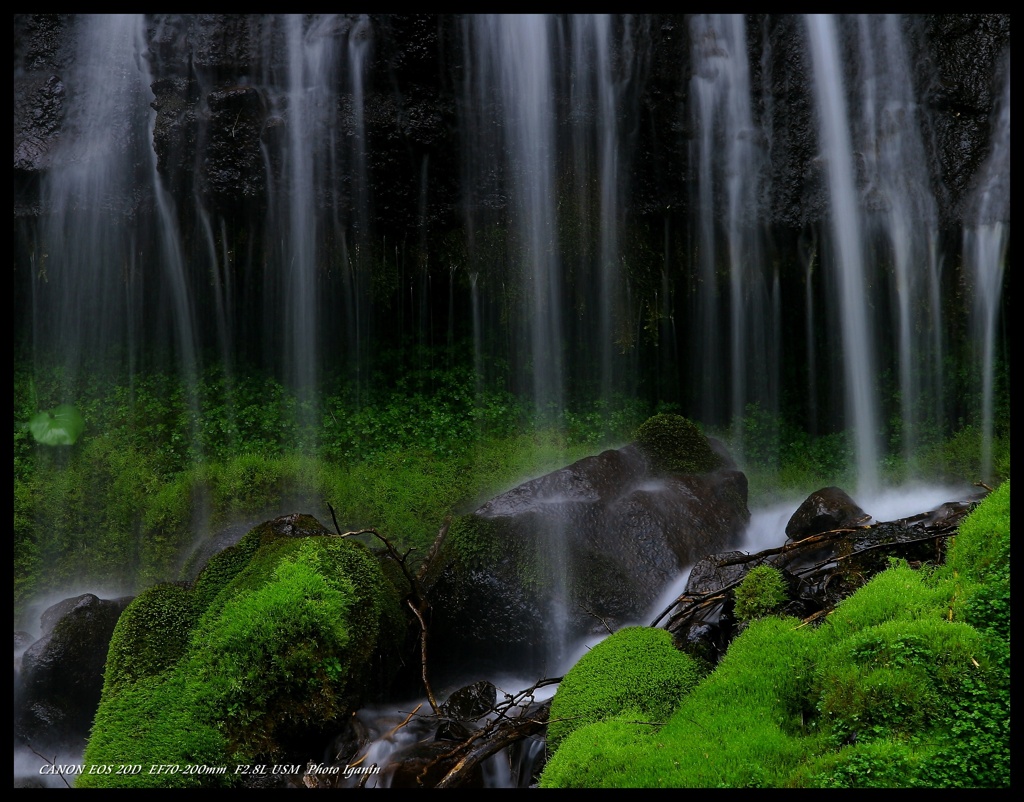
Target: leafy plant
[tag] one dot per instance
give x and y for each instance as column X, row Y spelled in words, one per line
column 61, row 426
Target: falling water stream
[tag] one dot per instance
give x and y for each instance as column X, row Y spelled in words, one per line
column 846, row 251
column 985, row 246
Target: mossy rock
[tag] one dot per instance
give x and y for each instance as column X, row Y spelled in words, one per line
column 636, row 669
column 150, row 636
column 762, row 591
column 291, row 641
column 674, row 444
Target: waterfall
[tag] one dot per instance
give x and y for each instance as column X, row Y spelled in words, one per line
column 599, row 94
column 900, row 206
column 89, row 287
column 715, row 214
column 728, row 180
column 325, row 58
column 515, row 63
column 846, row 254
column 986, row 244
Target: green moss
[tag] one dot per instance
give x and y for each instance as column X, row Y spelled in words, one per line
column 905, row 684
column 600, row 753
column 294, row 636
column 157, row 721
column 150, row 636
column 637, row 668
column 281, row 652
column 674, row 444
column 738, row 727
column 892, row 680
column 762, row 591
column 981, row 548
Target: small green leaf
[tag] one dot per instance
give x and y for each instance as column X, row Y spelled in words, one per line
column 59, row 427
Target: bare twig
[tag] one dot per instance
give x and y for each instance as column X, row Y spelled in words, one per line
column 435, row 547
column 423, row 656
column 417, row 599
column 388, row 735
column 52, row 763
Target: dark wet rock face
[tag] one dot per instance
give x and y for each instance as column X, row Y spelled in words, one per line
column 62, row 672
column 595, row 542
column 824, row 510
column 413, row 87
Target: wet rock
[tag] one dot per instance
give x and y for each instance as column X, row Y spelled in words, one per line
column 471, row 702
column 595, row 542
column 62, row 672
column 822, row 511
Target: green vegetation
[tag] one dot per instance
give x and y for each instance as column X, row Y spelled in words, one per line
column 287, row 644
column 781, row 459
column 123, row 503
column 675, row 445
column 158, row 462
column 637, row 669
column 904, row 684
column 761, row 592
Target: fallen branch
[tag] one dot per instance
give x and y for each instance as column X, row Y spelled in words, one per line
column 481, row 745
column 51, row 763
column 417, row 599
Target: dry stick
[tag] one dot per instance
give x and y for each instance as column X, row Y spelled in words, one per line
column 505, row 737
column 418, row 606
column 423, row 657
column 495, row 735
column 435, row 548
column 603, row 620
column 52, row 763
column 397, row 727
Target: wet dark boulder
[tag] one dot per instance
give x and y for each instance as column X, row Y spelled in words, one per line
column 824, row 510
column 61, row 674
column 471, row 702
column 582, row 548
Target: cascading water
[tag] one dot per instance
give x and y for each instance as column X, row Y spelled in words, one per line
column 845, row 248
column 986, row 242
column 324, row 62
column 900, row 207
column 728, row 192
column 514, row 62
column 602, row 67
column 93, row 291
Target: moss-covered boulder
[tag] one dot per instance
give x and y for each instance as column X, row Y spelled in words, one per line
column 905, row 684
column 278, row 641
column 637, row 669
column 674, row 444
